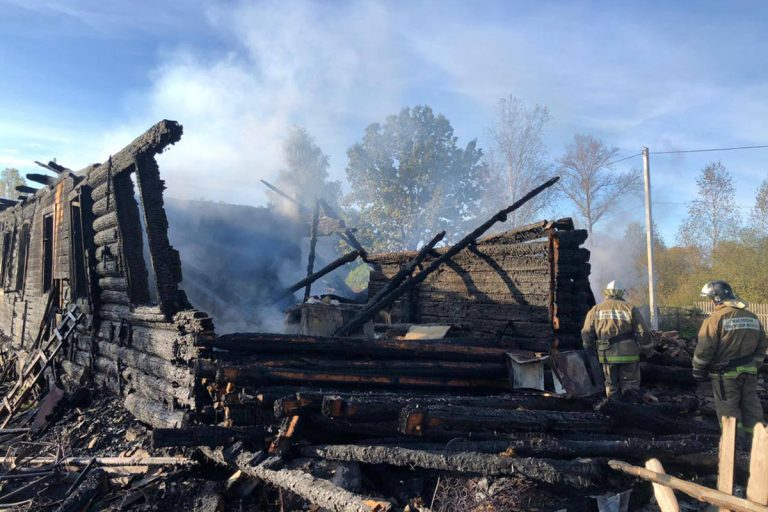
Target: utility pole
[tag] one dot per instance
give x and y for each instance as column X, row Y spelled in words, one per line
column 649, row 241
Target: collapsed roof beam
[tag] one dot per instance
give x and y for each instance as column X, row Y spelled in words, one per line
column 25, row 189
column 7, row 202
column 41, row 178
column 53, row 167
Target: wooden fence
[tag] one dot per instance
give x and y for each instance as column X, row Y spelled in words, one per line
column 761, row 310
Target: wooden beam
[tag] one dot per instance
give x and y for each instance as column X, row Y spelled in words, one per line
column 413, row 281
column 347, row 258
column 699, row 492
column 312, row 246
column 41, row 178
column 318, row 491
column 580, row 473
column 725, row 467
column 757, row 488
column 665, row 497
column 25, row 189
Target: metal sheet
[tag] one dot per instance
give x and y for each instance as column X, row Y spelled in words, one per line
column 579, row 372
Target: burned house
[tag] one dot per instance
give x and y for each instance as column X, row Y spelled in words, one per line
column 474, row 342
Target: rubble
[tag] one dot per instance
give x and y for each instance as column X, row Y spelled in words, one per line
column 458, row 384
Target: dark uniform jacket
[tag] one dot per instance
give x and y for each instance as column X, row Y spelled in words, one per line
column 618, row 331
column 731, row 342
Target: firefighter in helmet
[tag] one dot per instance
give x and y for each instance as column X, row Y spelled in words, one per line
column 619, row 333
column 731, row 348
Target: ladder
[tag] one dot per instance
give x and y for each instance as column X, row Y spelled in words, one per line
column 38, row 361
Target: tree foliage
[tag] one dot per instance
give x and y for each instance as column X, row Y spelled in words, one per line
column 758, row 219
column 713, row 216
column 589, row 182
column 305, row 175
column 517, row 159
column 409, row 180
column 10, row 178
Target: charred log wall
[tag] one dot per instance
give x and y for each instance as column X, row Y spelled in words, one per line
column 523, row 292
column 98, row 238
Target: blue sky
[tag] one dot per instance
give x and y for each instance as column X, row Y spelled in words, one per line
column 82, row 78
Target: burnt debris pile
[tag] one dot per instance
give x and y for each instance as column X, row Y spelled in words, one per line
column 459, row 384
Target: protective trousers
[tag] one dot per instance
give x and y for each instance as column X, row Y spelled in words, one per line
column 737, row 397
column 621, row 378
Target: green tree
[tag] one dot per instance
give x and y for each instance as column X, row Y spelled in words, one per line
column 305, row 175
column 712, row 217
column 517, row 159
column 10, row 178
column 758, row 219
column 589, row 181
column 409, row 180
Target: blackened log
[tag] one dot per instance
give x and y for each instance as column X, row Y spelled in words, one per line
column 412, row 282
column 407, row 270
column 318, row 491
column 53, row 166
column 462, row 369
column 312, row 245
column 82, row 497
column 387, row 407
column 155, row 413
column 347, row 258
column 234, row 346
column 279, row 376
column 558, row 448
column 650, row 419
column 203, row 436
column 671, row 375
column 298, row 405
column 41, row 178
column 580, row 474
column 420, row 421
column 25, row 189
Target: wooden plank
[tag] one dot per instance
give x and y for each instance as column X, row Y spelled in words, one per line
column 757, row 488
column 665, row 497
column 725, row 466
column 697, row 491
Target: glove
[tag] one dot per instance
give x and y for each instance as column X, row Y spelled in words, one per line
column 700, row 374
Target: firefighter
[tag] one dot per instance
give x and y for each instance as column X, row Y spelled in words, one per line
column 619, row 333
column 730, row 350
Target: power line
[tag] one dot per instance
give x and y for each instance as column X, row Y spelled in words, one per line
column 622, row 159
column 687, row 151
column 707, row 150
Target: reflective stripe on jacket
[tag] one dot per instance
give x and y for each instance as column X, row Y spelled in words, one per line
column 731, row 342
column 615, row 318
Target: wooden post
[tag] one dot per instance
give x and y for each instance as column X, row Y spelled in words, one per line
column 665, row 497
column 757, row 488
column 699, row 492
column 725, row 468
column 312, row 245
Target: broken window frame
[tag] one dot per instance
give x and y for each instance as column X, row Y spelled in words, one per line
column 79, row 283
column 46, row 274
column 22, row 254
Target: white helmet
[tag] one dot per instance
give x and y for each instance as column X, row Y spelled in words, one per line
column 614, row 289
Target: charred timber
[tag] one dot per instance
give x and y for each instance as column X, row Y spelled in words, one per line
column 41, row 178
column 278, row 376
column 234, row 346
column 387, row 407
column 629, row 416
column 347, row 258
column 580, row 474
column 317, row 491
column 411, row 283
column 407, row 270
column 203, row 436
column 421, row 421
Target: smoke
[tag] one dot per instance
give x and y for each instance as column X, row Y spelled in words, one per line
column 287, row 64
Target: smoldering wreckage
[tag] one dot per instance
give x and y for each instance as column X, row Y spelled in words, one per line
column 458, row 384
